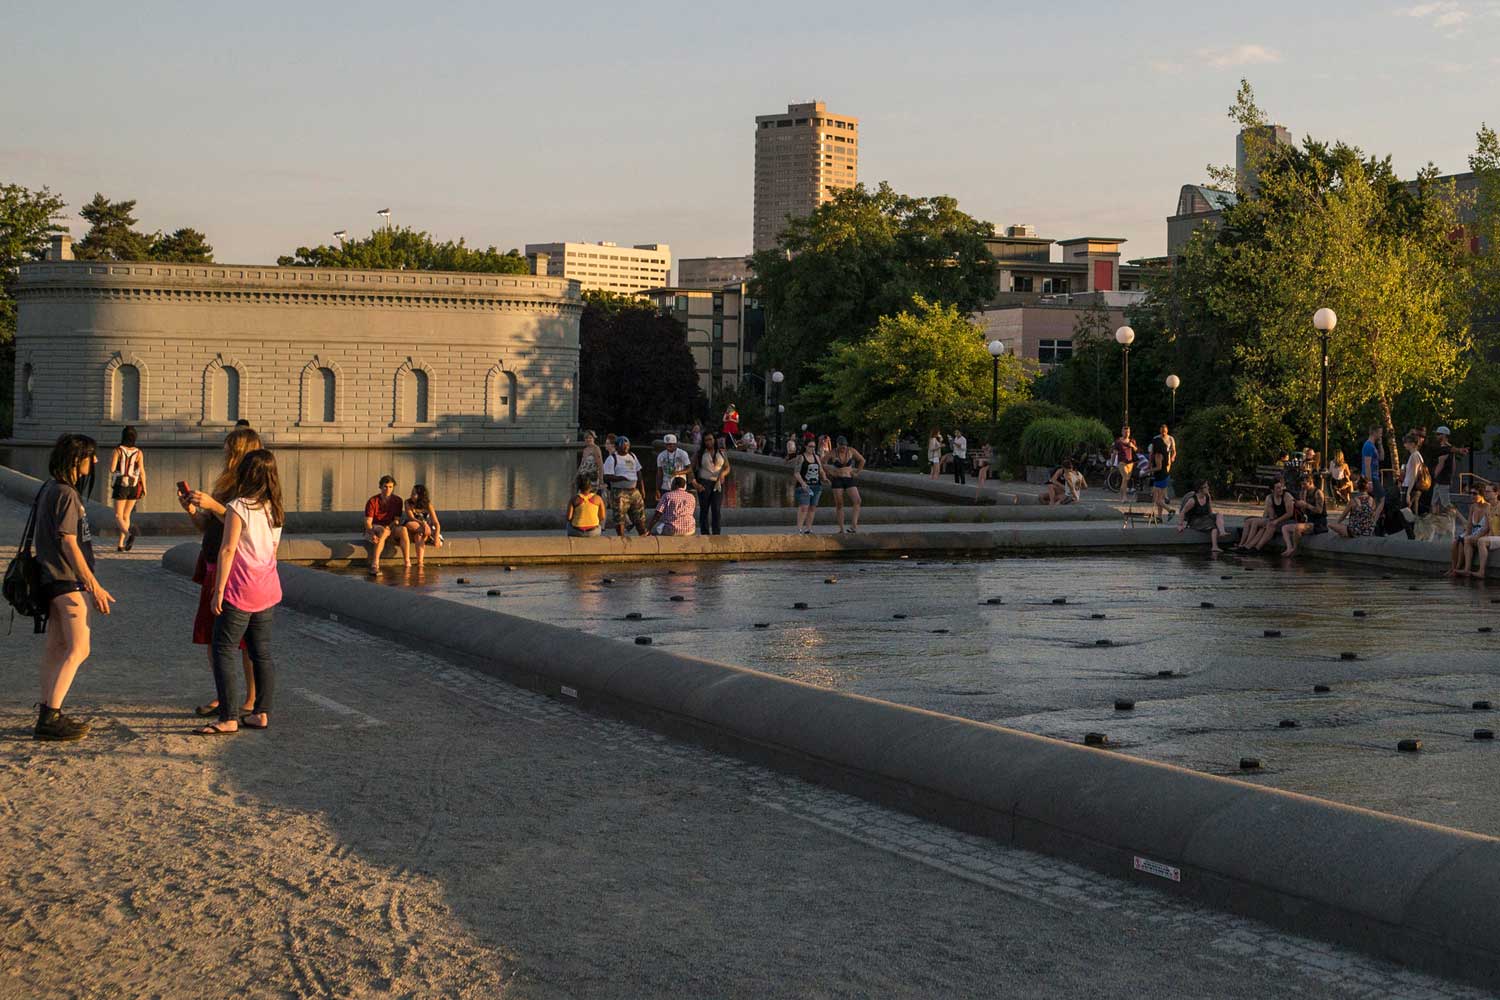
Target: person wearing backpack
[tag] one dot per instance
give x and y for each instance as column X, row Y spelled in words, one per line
column 127, row 485
column 247, row 589
column 65, row 560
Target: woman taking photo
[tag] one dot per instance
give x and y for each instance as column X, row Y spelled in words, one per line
column 127, row 485
column 247, row 589
column 64, row 549
column 207, row 511
column 710, row 469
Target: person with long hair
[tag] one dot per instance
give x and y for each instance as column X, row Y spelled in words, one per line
column 1361, row 514
column 591, row 460
column 127, row 485
column 1198, row 513
column 808, row 477
column 935, row 452
column 422, row 524
column 247, row 589
column 207, row 511
column 710, row 470
column 585, row 513
column 843, row 466
column 64, row 550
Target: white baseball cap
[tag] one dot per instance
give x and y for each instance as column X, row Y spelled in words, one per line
column 1443, row 431
column 669, row 439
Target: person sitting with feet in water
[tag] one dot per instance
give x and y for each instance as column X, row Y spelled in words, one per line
column 1198, row 513
column 1311, row 518
column 1360, row 514
column 1279, row 509
column 382, row 520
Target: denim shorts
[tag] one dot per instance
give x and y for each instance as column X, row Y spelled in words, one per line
column 809, row 497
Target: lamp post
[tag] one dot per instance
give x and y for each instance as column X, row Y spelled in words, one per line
column 340, row 235
column 776, row 379
column 1172, row 383
column 385, row 214
column 1325, row 320
column 1125, row 336
column 996, row 350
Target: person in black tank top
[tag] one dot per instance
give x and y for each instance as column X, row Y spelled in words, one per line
column 1311, row 518
column 1198, row 513
column 1279, row 509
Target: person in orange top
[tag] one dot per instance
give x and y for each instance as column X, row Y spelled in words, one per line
column 585, row 510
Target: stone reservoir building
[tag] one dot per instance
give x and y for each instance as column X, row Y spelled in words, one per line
column 310, row 356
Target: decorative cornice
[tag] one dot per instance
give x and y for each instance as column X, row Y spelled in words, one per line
column 297, row 286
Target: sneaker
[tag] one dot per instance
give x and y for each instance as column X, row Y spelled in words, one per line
column 56, row 727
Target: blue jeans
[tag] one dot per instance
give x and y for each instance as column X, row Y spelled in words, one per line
column 230, row 627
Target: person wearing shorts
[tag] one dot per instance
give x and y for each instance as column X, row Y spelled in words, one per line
column 808, row 474
column 383, row 513
column 843, row 465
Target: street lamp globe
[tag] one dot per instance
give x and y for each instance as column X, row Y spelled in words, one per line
column 1325, row 319
column 777, row 377
column 1124, row 336
column 996, row 348
column 780, row 408
column 1173, row 382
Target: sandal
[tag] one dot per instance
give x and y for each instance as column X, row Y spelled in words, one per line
column 213, row 729
column 204, row 711
column 245, row 722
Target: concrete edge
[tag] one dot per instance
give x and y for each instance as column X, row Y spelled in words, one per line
column 1405, row 891
column 23, row 489
column 941, row 490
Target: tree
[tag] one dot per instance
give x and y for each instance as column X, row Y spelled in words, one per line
column 636, row 372
column 1485, row 162
column 112, row 234
column 26, row 226
column 859, row 257
column 407, row 248
column 924, row 366
column 185, row 246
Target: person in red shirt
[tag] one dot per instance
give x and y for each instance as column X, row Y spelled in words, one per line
column 382, row 514
column 731, row 426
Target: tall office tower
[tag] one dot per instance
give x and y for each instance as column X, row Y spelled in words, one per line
column 802, row 159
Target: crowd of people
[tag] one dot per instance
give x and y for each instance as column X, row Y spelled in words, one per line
column 240, row 516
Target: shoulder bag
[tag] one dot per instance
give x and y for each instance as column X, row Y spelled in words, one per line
column 23, row 578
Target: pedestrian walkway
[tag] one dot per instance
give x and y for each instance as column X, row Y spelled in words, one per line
column 409, row 827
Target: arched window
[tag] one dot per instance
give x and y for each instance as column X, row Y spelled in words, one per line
column 413, row 394
column 327, row 384
column 127, row 394
column 419, row 395
column 224, row 394
column 500, row 392
column 28, row 389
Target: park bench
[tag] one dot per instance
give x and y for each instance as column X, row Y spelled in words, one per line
column 1265, row 476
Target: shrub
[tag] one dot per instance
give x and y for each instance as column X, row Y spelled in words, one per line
column 1050, row 440
column 1224, row 444
column 1012, row 423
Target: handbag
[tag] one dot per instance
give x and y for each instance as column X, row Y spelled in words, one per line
column 22, row 586
column 1424, row 479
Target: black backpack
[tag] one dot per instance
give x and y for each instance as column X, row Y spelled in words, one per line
column 23, row 579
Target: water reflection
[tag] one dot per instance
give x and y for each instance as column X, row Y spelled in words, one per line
column 458, row 478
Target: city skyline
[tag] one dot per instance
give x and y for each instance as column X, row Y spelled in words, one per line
column 1078, row 123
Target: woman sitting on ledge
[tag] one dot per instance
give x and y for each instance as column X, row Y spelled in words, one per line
column 1359, row 517
column 1065, row 486
column 586, row 510
column 1198, row 513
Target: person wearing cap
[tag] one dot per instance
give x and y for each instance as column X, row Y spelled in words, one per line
column 676, row 512
column 844, row 463
column 1442, row 471
column 622, row 471
column 672, row 462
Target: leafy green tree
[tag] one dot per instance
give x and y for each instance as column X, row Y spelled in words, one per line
column 859, row 257
column 1485, row 162
column 26, row 226
column 185, row 246
column 112, row 234
column 406, row 248
column 1011, row 427
column 1223, row 444
column 636, row 371
column 924, row 366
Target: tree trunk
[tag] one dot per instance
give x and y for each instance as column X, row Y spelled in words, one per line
column 1390, row 435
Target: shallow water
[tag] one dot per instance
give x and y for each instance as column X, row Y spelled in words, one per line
column 1035, row 665
column 458, row 478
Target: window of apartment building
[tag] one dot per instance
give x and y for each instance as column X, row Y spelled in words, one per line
column 1021, row 282
column 1054, row 352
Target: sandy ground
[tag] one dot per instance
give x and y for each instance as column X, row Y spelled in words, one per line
column 409, row 828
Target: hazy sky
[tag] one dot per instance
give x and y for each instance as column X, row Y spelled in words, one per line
column 272, row 125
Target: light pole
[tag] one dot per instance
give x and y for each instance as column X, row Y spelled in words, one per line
column 1125, row 336
column 996, row 349
column 340, row 235
column 1325, row 320
column 1172, row 383
column 385, row 214
column 776, row 379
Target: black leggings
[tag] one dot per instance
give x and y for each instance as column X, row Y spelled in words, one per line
column 710, row 500
column 230, row 627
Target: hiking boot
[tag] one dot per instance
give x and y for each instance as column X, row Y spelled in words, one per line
column 52, row 725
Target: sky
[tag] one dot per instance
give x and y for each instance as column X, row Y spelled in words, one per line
column 271, row 126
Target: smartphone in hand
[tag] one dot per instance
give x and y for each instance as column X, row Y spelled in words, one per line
column 182, row 488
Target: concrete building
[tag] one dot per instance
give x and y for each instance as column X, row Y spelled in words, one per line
column 1039, row 301
column 314, row 356
column 604, row 267
column 717, row 320
column 802, row 159
column 712, row 272
column 1199, row 205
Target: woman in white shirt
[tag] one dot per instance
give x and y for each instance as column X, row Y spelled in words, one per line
column 710, row 469
column 1411, row 476
column 935, row 451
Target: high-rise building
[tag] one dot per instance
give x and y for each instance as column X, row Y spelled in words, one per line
column 802, row 159
column 604, row 267
column 711, row 272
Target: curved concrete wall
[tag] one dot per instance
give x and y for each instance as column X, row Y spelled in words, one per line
column 413, row 356
column 1408, row 891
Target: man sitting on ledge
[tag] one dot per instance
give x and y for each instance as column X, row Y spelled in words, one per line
column 382, row 513
column 676, row 512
